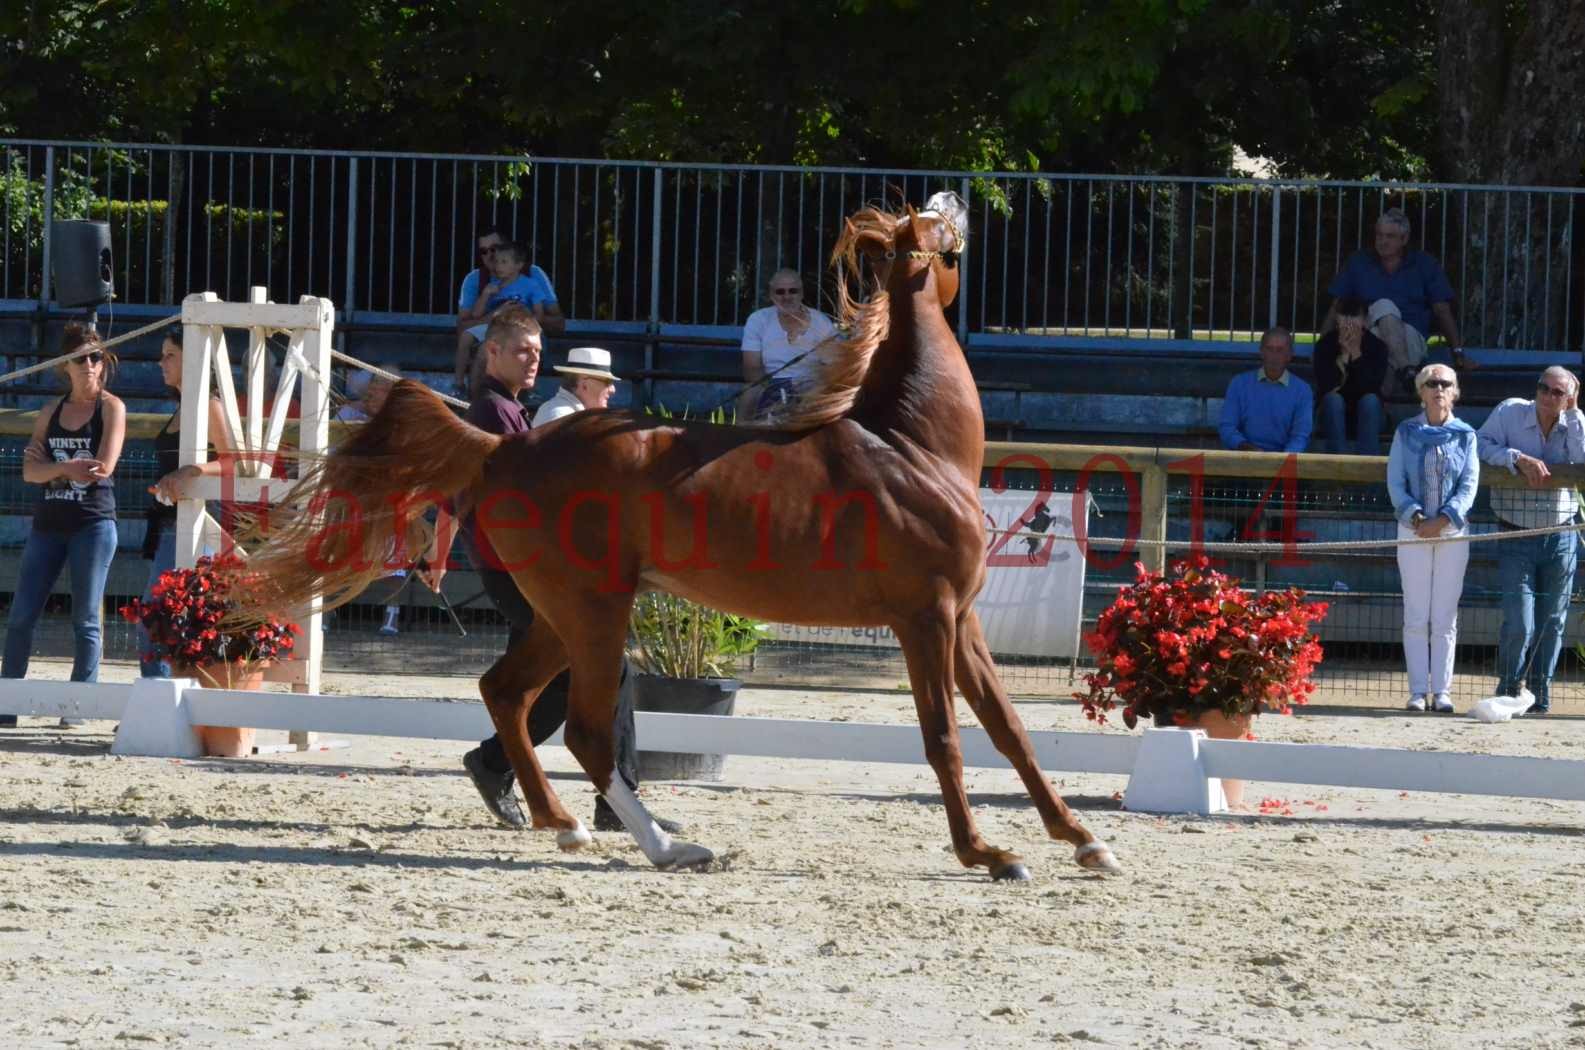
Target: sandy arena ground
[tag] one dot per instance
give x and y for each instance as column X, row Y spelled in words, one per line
column 360, row 897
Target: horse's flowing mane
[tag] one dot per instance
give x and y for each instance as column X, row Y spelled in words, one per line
column 843, row 362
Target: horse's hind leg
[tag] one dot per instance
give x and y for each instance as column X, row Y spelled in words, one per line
column 982, row 688
column 510, row 688
column 596, row 638
column 927, row 645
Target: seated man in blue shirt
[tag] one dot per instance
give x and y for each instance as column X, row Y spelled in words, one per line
column 1269, row 409
column 1405, row 291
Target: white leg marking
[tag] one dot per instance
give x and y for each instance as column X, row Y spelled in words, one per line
column 659, row 847
column 1097, row 856
column 574, row 838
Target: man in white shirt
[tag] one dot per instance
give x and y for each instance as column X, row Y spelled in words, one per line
column 1536, row 573
column 589, row 384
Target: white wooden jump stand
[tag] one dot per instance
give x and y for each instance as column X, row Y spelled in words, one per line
column 308, row 326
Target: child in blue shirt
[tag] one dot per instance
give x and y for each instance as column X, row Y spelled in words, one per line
column 511, row 285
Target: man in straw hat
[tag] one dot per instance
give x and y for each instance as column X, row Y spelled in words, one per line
column 589, row 384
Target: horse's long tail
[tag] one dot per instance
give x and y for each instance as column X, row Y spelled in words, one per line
column 357, row 514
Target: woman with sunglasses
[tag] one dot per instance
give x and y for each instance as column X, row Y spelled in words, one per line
column 72, row 454
column 159, row 540
column 778, row 347
column 1433, row 470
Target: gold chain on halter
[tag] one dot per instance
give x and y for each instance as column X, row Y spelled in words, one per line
column 958, row 242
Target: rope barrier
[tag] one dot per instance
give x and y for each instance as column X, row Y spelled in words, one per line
column 106, row 345
column 393, row 377
column 1324, row 547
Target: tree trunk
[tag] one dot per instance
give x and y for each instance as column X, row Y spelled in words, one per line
column 1509, row 87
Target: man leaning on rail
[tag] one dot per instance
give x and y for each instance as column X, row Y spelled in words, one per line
column 1536, row 573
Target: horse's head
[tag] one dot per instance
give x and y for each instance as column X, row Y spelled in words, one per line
column 933, row 238
column 936, row 237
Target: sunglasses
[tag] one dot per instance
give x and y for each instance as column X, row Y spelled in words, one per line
column 1554, row 391
column 1440, row 384
column 93, row 357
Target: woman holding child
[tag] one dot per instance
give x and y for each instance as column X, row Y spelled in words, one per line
column 1432, row 474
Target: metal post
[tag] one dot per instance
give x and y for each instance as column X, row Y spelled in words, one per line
column 352, row 238
column 1153, row 517
column 963, row 269
column 45, row 291
column 651, row 344
column 654, row 255
column 1276, row 249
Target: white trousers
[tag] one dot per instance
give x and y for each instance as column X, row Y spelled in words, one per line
column 1433, row 582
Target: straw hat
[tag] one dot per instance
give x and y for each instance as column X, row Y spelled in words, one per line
column 588, row 361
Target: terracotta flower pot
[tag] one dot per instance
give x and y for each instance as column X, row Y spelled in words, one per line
column 224, row 741
column 1220, row 727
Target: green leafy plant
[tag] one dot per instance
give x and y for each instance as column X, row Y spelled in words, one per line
column 678, row 638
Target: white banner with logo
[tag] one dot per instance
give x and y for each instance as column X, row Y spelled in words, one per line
column 1034, row 583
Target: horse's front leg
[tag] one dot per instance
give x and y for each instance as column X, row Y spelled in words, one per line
column 982, row 688
column 509, row 688
column 927, row 644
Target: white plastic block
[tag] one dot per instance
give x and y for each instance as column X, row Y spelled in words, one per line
column 1169, row 776
column 155, row 723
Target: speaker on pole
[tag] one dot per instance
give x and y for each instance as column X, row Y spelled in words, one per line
column 80, row 256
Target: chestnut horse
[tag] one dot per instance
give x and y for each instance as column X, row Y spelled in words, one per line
column 861, row 509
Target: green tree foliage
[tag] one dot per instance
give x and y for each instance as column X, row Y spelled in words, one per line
column 1345, row 88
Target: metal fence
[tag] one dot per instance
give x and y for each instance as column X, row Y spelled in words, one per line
column 671, row 244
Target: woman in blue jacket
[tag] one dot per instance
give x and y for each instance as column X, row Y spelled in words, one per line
column 1432, row 474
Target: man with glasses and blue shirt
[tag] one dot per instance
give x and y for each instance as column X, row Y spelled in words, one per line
column 1536, row 574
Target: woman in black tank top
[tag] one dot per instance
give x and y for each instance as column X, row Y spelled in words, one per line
column 72, row 454
column 159, row 542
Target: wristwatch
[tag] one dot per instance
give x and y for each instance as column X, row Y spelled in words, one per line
column 1416, row 519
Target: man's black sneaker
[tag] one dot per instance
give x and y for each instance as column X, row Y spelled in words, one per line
column 497, row 790
column 605, row 819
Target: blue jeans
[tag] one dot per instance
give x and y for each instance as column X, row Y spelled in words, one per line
column 1367, row 425
column 89, row 551
column 1537, row 576
column 150, row 666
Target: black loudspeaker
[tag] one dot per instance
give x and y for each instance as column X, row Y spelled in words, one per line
column 80, row 259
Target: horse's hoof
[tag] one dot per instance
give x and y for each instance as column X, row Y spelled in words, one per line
column 1097, row 856
column 573, row 838
column 684, row 855
column 1011, row 872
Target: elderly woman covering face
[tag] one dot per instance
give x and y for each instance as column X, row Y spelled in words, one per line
column 1432, row 473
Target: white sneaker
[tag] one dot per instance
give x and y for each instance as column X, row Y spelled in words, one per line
column 1442, row 704
column 1417, row 702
